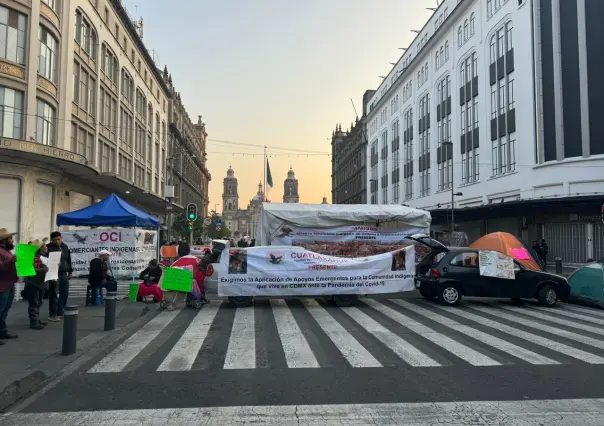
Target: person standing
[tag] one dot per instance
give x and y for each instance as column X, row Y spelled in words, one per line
column 59, row 290
column 8, row 278
column 98, row 276
column 544, row 250
column 35, row 286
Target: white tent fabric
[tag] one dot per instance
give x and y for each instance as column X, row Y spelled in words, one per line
column 273, row 216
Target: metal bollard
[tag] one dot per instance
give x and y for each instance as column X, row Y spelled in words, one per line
column 70, row 329
column 110, row 301
column 558, row 265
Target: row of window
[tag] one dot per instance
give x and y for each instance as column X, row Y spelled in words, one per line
column 466, row 31
column 11, row 117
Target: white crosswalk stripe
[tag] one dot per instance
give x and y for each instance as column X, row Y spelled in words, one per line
column 585, row 310
column 374, row 334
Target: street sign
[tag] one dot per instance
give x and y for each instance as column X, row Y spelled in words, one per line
column 207, row 221
column 218, row 222
column 192, row 212
column 218, row 228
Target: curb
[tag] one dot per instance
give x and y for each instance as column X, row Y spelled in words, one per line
column 20, row 388
column 25, row 390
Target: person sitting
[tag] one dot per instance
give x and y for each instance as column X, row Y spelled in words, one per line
column 150, row 285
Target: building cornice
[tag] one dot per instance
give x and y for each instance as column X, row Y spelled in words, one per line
column 127, row 22
column 447, row 25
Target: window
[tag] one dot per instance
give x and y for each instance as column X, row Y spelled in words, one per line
column 125, row 167
column 437, row 60
column 126, row 129
column 469, row 134
column 459, row 37
column 408, row 152
column 493, row 6
column 384, row 158
column 424, row 145
column 395, row 163
column 444, row 155
column 52, row 4
column 45, row 124
column 84, row 94
column 108, row 112
column 374, row 171
column 446, row 51
column 106, row 158
column 82, row 142
column 110, row 65
column 13, row 35
column 106, row 15
column 503, row 101
column 11, row 113
column 466, row 33
column 127, row 86
column 467, row 260
column 472, row 24
column 47, row 55
column 85, row 35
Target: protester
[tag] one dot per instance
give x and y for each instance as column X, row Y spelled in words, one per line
column 58, row 291
column 150, row 286
column 98, row 276
column 8, row 278
column 35, row 286
column 200, row 276
column 183, row 249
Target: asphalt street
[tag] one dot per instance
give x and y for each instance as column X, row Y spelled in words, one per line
column 304, row 352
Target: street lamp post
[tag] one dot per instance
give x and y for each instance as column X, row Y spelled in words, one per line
column 449, row 146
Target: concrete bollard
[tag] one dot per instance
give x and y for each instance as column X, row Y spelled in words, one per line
column 558, row 265
column 110, row 302
column 70, row 330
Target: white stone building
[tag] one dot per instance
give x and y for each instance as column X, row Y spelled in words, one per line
column 514, row 86
column 84, row 112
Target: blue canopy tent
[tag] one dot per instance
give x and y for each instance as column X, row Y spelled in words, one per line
column 112, row 211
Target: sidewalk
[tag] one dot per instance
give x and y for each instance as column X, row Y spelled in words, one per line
column 36, row 355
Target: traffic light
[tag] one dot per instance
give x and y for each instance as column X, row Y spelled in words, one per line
column 190, row 226
column 192, row 212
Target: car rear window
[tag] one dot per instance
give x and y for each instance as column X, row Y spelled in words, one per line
column 466, row 260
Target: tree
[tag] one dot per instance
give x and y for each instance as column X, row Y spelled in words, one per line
column 180, row 227
column 217, row 235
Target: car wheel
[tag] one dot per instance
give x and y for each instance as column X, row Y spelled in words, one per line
column 427, row 294
column 548, row 296
column 345, row 300
column 240, row 301
column 450, row 295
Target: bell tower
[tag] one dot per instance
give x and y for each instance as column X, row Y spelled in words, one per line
column 290, row 188
column 230, row 197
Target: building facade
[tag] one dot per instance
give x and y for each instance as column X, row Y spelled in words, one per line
column 349, row 160
column 186, row 170
column 290, row 188
column 85, row 112
column 241, row 222
column 482, row 110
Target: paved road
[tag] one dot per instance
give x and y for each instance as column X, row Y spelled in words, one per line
column 303, row 352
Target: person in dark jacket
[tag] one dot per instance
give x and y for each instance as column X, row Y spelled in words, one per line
column 98, row 275
column 183, row 249
column 544, row 250
column 152, row 273
column 58, row 291
column 35, row 287
column 8, row 278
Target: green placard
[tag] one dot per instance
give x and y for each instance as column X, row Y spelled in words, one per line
column 176, row 279
column 133, row 292
column 25, row 254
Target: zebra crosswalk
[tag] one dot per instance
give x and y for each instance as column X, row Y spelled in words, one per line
column 410, row 333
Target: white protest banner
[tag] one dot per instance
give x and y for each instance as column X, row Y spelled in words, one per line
column 348, row 241
column 131, row 249
column 495, row 264
column 54, row 258
column 294, row 271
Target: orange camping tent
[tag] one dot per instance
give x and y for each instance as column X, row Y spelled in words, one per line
column 507, row 244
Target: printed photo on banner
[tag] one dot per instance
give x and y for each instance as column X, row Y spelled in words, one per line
column 131, row 249
column 347, row 241
column 238, row 261
column 295, row 271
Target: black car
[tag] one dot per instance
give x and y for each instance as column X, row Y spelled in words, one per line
column 449, row 273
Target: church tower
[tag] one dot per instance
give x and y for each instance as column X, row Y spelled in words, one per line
column 230, row 197
column 290, row 188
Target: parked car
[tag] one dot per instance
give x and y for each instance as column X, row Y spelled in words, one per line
column 450, row 273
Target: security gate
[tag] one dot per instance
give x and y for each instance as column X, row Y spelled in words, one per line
column 598, row 241
column 567, row 241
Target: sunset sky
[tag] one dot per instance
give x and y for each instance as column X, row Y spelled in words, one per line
column 279, row 74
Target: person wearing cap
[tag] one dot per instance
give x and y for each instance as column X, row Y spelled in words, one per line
column 35, row 286
column 8, row 278
column 98, row 275
column 59, row 290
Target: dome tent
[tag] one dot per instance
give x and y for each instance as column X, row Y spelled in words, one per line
column 587, row 283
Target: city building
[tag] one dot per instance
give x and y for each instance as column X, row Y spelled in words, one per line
column 85, row 112
column 349, row 160
column 290, row 188
column 186, row 173
column 241, row 222
column 481, row 112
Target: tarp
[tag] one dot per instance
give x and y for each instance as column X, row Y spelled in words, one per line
column 112, row 211
column 507, row 244
column 273, row 216
column 587, row 283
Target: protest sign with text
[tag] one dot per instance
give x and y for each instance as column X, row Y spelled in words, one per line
column 295, row 271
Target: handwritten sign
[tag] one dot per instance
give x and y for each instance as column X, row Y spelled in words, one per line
column 25, row 254
column 53, row 261
column 177, row 279
column 496, row 265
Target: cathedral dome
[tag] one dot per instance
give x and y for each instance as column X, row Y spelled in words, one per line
column 291, row 174
column 230, row 172
column 260, row 194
